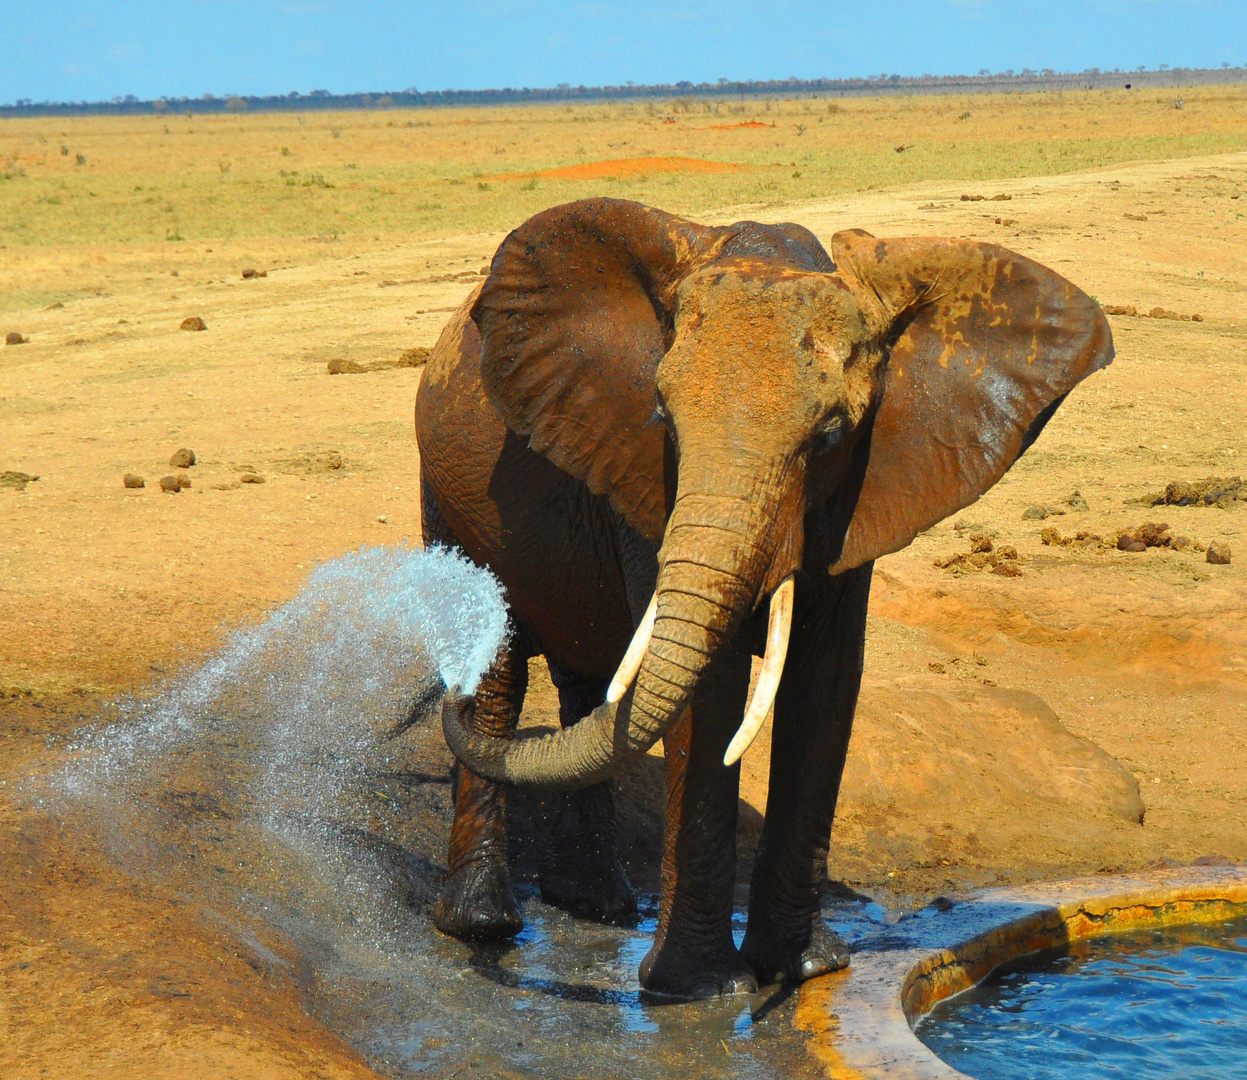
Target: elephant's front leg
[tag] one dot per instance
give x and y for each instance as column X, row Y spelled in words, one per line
column 693, row 955
column 786, row 937
column 476, row 901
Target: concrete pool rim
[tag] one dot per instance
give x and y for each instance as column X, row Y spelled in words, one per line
column 860, row 1021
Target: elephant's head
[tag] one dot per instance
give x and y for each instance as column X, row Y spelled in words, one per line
column 757, row 407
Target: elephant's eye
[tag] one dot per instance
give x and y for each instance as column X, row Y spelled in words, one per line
column 659, row 415
column 829, row 433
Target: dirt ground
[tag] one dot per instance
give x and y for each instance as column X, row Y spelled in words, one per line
column 106, row 590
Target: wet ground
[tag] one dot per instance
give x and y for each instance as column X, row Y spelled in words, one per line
column 269, row 787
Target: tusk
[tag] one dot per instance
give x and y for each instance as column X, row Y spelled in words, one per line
column 777, row 630
column 631, row 663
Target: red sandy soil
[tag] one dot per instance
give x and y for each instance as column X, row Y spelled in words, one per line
column 104, row 589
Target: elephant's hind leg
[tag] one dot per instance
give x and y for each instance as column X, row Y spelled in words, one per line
column 786, row 936
column 694, row 954
column 476, row 902
column 583, row 873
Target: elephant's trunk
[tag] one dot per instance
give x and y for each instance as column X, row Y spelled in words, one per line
column 722, row 547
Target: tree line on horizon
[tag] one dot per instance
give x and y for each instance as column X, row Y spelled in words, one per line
column 984, row 82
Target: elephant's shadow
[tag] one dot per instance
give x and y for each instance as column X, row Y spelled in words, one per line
column 640, row 807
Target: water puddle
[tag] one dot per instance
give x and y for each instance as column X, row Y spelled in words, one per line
column 1145, row 1006
column 267, row 786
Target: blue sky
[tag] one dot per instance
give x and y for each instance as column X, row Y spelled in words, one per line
column 68, row 51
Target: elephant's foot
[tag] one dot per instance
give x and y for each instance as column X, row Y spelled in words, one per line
column 592, row 887
column 777, row 959
column 671, row 972
column 477, row 903
column 583, row 874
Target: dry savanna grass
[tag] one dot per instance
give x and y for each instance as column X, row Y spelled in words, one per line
column 365, row 230
column 437, row 172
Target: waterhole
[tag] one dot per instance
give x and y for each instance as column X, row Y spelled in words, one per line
column 1152, row 1005
column 297, row 787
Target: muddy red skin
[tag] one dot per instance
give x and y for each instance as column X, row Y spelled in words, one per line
column 634, row 405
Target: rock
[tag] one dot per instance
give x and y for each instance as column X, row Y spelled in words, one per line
column 980, row 543
column 1001, row 198
column 974, row 774
column 194, row 323
column 345, row 367
column 1218, row 553
column 1075, row 501
column 17, row 480
column 251, row 273
column 1035, row 513
column 14, row 338
column 130, row 480
column 1163, row 313
column 1181, row 543
column 971, row 198
column 1197, row 317
column 414, row 357
column 183, row 459
column 1120, row 309
column 1007, row 569
column 1126, row 542
column 171, row 484
column 251, row 478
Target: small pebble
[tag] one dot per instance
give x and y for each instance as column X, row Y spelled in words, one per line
column 14, row 338
column 173, row 484
column 194, row 323
column 251, row 478
column 251, row 273
column 132, row 481
column 1218, row 553
column 345, row 367
column 183, row 459
column 382, row 518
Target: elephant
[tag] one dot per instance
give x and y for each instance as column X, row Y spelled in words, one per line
column 681, row 446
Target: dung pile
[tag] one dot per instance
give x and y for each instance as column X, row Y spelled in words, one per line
column 1221, row 492
column 983, row 556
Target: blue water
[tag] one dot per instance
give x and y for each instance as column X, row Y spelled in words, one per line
column 1161, row 1005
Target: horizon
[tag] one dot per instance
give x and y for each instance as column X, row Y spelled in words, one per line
column 71, row 52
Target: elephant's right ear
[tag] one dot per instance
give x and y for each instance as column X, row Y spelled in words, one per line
column 574, row 318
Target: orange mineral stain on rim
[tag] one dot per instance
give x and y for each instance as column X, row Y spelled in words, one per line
column 641, row 166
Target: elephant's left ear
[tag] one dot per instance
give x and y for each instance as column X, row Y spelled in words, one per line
column 987, row 345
